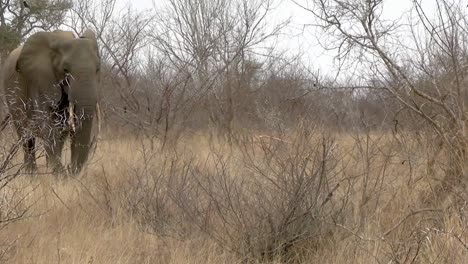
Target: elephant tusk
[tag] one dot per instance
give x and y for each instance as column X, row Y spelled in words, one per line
column 67, row 78
column 98, row 116
column 71, row 120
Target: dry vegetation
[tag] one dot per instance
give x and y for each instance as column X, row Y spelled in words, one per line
column 334, row 199
column 218, row 148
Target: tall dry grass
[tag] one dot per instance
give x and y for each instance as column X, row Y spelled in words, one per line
column 309, row 196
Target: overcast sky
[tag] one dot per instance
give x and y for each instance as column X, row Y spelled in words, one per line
column 302, row 38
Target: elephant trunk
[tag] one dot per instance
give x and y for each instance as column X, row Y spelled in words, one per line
column 81, row 142
column 83, row 102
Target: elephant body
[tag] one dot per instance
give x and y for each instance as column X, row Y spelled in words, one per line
column 51, row 89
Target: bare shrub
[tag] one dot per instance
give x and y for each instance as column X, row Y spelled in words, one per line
column 147, row 195
column 13, row 204
column 259, row 202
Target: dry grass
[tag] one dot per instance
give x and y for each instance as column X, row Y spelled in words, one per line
column 122, row 209
column 73, row 221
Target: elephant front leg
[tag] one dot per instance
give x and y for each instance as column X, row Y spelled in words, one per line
column 19, row 114
column 29, row 147
column 53, row 130
column 53, row 147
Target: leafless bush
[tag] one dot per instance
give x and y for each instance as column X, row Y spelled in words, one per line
column 147, row 193
column 260, row 203
column 13, row 205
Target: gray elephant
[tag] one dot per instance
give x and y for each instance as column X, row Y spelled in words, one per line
column 51, row 88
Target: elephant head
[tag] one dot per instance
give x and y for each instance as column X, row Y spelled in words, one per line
column 56, row 68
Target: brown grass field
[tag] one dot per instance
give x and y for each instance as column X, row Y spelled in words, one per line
column 204, row 202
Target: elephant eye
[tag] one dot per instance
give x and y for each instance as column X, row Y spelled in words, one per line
column 66, row 67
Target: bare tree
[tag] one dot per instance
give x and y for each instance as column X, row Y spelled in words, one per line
column 91, row 14
column 213, row 43
column 424, row 71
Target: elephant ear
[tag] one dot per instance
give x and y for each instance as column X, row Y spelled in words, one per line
column 35, row 63
column 64, row 34
column 89, row 34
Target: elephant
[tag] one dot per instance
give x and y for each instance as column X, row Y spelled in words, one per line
column 51, row 86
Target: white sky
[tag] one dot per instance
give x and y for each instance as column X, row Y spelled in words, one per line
column 299, row 39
